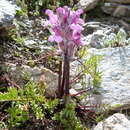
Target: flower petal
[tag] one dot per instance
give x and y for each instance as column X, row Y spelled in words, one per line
column 52, row 17
column 79, row 12
column 49, row 12
column 76, row 35
column 60, row 10
column 76, row 27
column 51, row 38
column 80, row 21
column 58, row 39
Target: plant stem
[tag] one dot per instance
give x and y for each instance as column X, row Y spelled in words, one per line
column 64, row 88
column 59, row 80
column 66, row 76
column 67, row 73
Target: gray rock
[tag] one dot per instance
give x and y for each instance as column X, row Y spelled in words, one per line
column 7, row 12
column 87, row 4
column 115, row 122
column 119, row 1
column 31, row 44
column 100, row 35
column 21, row 74
column 116, row 10
column 94, row 39
column 115, row 68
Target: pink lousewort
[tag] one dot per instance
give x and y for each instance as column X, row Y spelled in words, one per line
column 66, row 28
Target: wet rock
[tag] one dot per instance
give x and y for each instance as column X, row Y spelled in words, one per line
column 116, row 10
column 87, row 4
column 115, row 122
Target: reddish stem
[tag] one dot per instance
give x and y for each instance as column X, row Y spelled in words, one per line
column 59, row 80
column 67, row 70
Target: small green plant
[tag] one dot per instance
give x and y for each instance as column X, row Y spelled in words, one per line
column 89, row 66
column 116, row 40
column 15, row 35
column 68, row 119
column 29, row 100
column 17, row 114
column 23, row 8
column 38, row 5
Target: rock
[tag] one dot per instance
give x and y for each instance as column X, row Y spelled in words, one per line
column 119, row 1
column 21, row 74
column 116, row 10
column 87, row 4
column 94, row 39
column 31, row 44
column 115, row 85
column 51, row 80
column 73, row 92
column 103, row 34
column 7, row 13
column 115, row 122
column 96, row 31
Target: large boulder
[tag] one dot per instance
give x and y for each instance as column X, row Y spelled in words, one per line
column 87, row 4
column 119, row 1
column 114, row 93
column 115, row 122
column 7, row 13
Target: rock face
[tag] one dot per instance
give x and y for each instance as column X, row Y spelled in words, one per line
column 116, row 10
column 115, row 68
column 7, row 13
column 87, row 4
column 115, row 122
column 119, row 1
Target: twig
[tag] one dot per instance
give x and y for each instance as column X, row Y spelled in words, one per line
column 80, row 92
column 77, row 77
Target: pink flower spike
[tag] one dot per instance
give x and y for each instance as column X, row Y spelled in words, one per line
column 66, row 27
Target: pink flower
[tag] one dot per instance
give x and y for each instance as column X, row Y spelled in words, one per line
column 66, row 28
